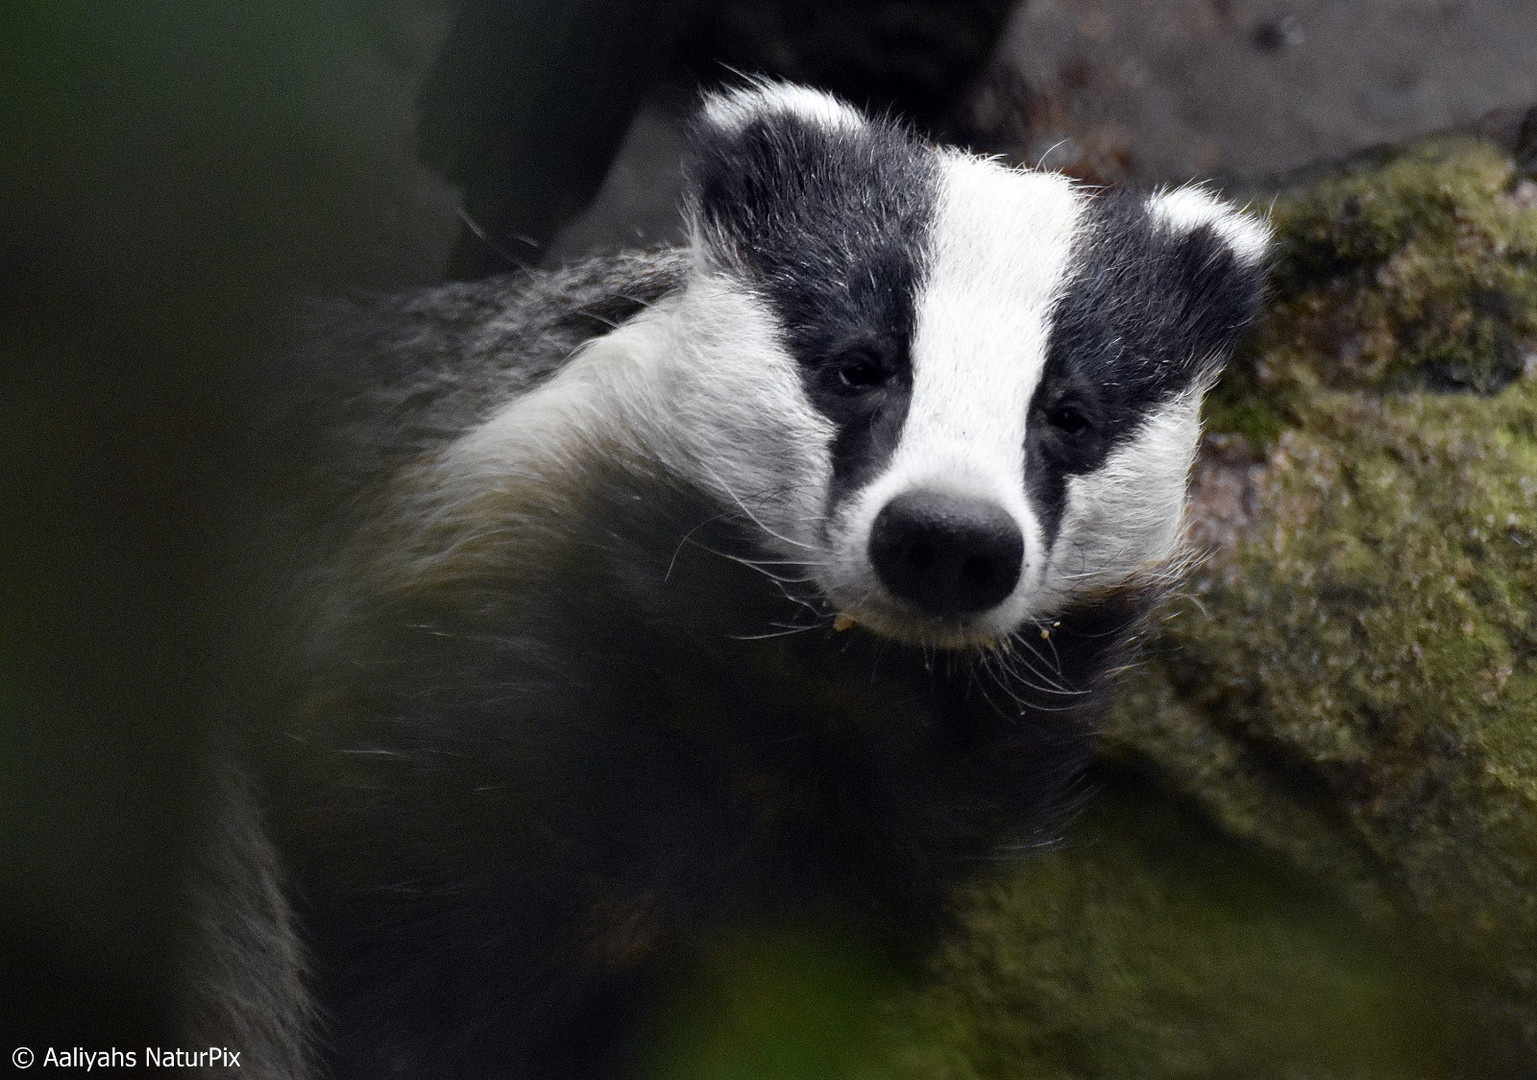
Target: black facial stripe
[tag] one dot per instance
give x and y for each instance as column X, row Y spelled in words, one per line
column 1045, row 487
column 1149, row 312
column 830, row 227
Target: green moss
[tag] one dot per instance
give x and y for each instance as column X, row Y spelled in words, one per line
column 1241, row 404
column 1406, row 272
column 1355, row 682
column 1352, row 681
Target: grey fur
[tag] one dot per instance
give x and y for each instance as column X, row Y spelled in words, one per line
column 376, row 386
column 388, row 381
column 245, row 984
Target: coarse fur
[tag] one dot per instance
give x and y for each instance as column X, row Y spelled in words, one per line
column 777, row 576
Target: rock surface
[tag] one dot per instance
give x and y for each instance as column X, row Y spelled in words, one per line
column 1161, row 91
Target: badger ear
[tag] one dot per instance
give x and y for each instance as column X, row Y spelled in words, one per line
column 1196, row 215
column 728, row 113
column 758, row 153
column 1213, row 264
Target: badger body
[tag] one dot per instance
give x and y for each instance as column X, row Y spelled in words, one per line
column 776, row 576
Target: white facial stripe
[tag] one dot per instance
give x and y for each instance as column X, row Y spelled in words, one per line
column 751, row 433
column 1001, row 241
column 699, row 383
column 1124, row 518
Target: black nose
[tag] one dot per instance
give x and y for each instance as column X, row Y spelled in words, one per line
column 948, row 554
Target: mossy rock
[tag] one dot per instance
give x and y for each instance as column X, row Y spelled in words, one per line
column 1153, row 946
column 1400, row 273
column 1352, row 678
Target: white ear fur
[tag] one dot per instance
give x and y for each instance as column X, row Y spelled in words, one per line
column 1187, row 209
column 729, row 111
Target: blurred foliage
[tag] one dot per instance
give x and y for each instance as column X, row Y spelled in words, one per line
column 173, row 175
column 787, row 1003
column 1152, row 945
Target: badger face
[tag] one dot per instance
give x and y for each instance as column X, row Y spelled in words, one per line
column 977, row 388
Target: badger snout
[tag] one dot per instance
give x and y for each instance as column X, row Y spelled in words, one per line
column 946, row 554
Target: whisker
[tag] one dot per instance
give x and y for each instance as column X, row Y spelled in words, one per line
column 1003, row 676
column 750, row 515
column 1016, row 665
column 1053, row 667
column 1045, row 633
column 686, row 538
column 753, row 564
column 785, row 632
column 1053, row 685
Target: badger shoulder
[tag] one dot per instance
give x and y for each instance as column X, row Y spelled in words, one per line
column 375, row 383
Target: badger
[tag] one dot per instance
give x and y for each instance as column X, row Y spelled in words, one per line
column 777, row 575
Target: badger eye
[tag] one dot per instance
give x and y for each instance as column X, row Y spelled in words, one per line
column 860, row 370
column 1068, row 419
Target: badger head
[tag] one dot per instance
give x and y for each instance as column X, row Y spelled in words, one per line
column 965, row 395
column 962, row 395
